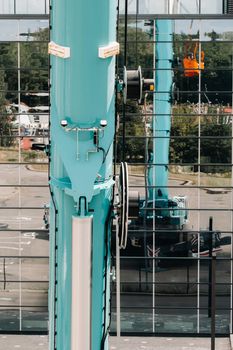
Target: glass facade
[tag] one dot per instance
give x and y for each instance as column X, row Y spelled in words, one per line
column 24, row 123
column 24, row 7
column 165, row 272
column 165, row 275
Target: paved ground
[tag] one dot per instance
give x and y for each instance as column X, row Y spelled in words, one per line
column 32, row 243
column 23, row 342
column 9, row 342
column 167, row 344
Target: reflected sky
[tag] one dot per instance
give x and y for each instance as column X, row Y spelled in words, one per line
column 24, row 6
column 10, row 29
column 173, row 6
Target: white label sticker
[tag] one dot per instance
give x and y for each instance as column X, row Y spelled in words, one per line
column 112, row 49
column 59, row 51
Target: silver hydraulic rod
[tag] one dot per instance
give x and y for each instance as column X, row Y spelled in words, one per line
column 82, row 231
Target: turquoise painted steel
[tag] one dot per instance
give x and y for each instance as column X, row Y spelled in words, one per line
column 83, row 93
column 162, row 106
column 170, row 211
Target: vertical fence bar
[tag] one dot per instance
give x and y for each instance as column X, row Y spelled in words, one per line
column 231, row 296
column 210, row 266
column 213, row 301
column 19, row 175
column 199, row 184
column 118, row 284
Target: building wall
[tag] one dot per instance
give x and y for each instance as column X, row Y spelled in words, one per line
column 24, row 122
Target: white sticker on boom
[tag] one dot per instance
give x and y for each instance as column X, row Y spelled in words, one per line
column 112, row 49
column 59, row 51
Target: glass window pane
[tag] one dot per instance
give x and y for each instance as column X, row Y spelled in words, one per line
column 153, row 7
column 9, row 30
column 34, row 30
column 8, row 57
column 6, row 7
column 188, row 7
column 35, row 320
column 30, row 6
column 211, row 7
column 132, row 6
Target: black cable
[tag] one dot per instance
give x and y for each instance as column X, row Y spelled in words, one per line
column 125, row 64
column 107, row 223
column 105, row 154
column 55, row 244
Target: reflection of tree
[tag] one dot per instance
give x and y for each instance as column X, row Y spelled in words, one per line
column 134, row 127
column 213, row 35
column 215, row 78
column 215, row 142
column 140, row 53
column 33, row 75
column 33, row 64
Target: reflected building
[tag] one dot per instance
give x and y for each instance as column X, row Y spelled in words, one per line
column 165, row 271
column 24, row 109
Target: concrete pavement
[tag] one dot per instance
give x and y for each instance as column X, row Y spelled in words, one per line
column 28, row 342
column 167, row 343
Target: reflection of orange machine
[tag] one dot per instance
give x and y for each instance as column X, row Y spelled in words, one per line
column 26, row 143
column 191, row 64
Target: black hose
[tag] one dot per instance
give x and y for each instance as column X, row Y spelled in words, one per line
column 107, row 243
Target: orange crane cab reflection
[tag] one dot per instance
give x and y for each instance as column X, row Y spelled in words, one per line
column 191, row 64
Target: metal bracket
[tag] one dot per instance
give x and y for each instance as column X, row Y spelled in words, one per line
column 97, row 131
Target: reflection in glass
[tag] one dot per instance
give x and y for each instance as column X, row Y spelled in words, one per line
column 132, row 6
column 222, row 322
column 34, row 320
column 153, row 7
column 188, row 7
column 179, row 7
column 6, row 7
column 30, row 6
column 34, row 30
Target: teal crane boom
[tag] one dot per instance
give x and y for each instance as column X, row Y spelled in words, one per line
column 168, row 211
column 82, row 49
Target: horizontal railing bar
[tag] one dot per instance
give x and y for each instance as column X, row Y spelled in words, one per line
column 26, row 136
column 174, row 115
column 175, row 41
column 174, row 283
column 25, row 230
column 22, row 186
column 178, row 186
column 24, row 113
column 19, row 306
column 189, row 258
column 170, row 307
column 185, row 16
column 170, row 231
column 189, row 137
column 179, row 69
column 175, row 209
column 182, row 164
column 23, row 257
column 24, row 163
column 24, row 16
column 22, row 281
column 23, row 208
